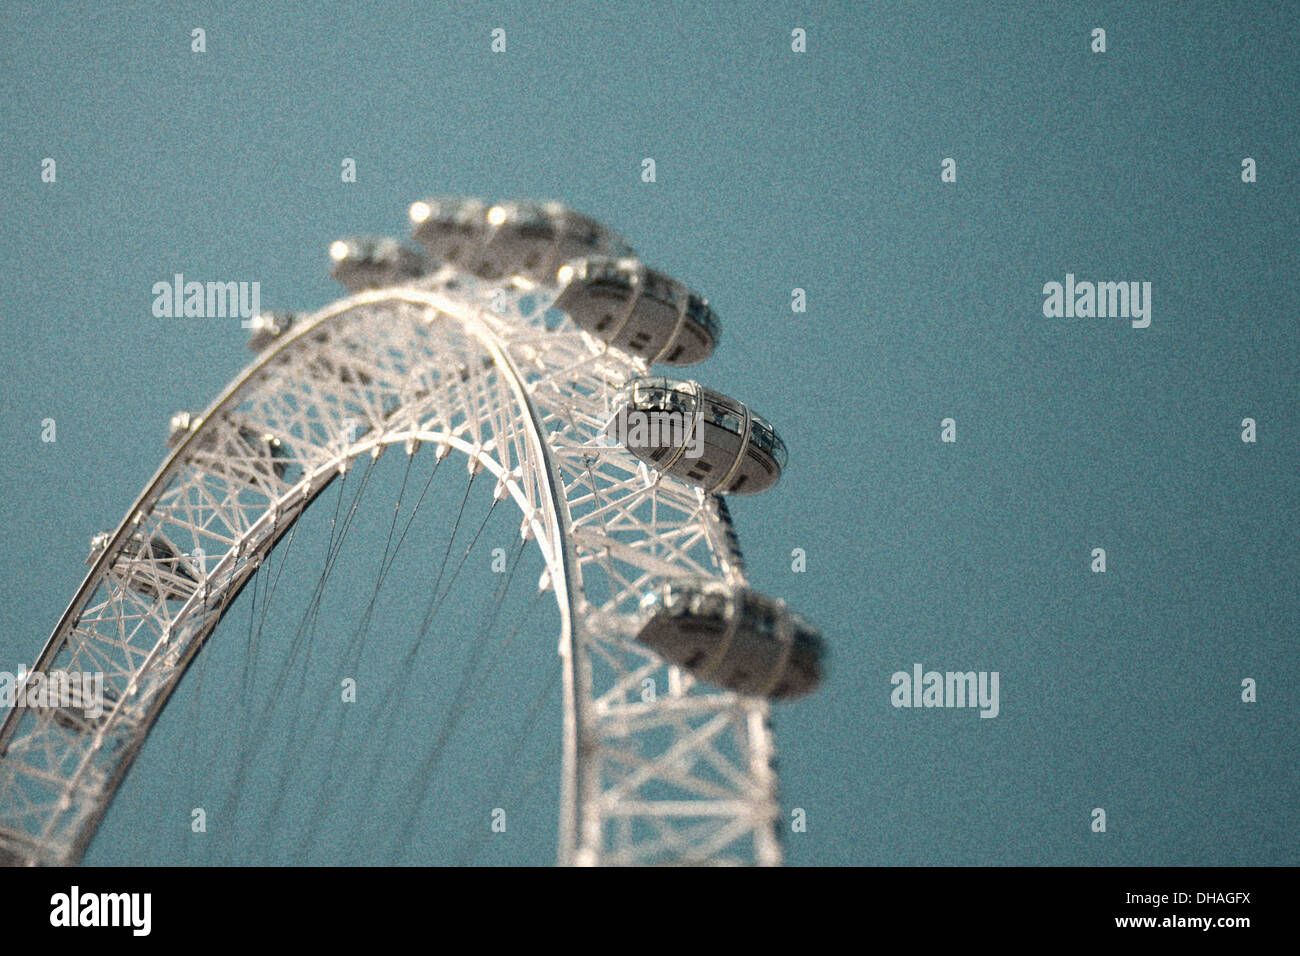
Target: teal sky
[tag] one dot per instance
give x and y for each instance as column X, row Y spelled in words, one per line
column 775, row 170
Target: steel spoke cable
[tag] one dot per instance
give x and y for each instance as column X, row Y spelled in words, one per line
column 338, row 534
column 248, row 749
column 545, row 768
column 397, row 685
column 506, row 644
column 433, row 591
column 332, row 560
column 293, row 649
column 332, row 556
column 233, row 713
column 248, row 644
column 246, row 692
column 415, row 510
column 397, row 510
column 334, row 545
column 357, row 646
column 393, row 700
column 464, row 557
column 460, row 702
column 386, row 560
column 198, row 725
column 307, row 626
column 532, row 713
column 195, row 782
column 228, row 595
column 231, row 803
column 497, row 603
column 293, row 740
column 230, row 731
column 267, row 600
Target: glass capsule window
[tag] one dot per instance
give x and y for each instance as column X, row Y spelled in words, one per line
column 660, row 288
column 599, row 269
column 278, row 322
column 698, row 310
column 679, row 600
column 779, row 454
column 764, row 437
column 659, row 393
column 580, row 230
column 806, row 634
column 683, row 397
column 761, row 615
column 610, row 275
column 440, row 212
column 708, row 604
column 764, row 625
column 649, row 390
column 532, row 222
column 724, row 419
column 386, row 253
column 463, row 213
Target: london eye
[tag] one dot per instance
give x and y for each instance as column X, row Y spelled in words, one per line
column 512, row 342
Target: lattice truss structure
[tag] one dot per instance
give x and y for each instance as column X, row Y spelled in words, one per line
column 657, row 767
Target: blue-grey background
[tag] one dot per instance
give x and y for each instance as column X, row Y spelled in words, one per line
column 775, row 170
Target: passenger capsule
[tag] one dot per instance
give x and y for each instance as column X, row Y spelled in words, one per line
column 450, row 228
column 82, row 714
column 702, row 437
column 517, row 238
column 637, row 309
column 255, row 456
column 362, row 264
column 269, row 326
column 150, row 569
column 734, row 637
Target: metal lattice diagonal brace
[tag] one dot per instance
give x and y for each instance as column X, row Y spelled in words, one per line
column 473, row 356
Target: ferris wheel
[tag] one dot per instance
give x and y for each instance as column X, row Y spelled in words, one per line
column 520, row 337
